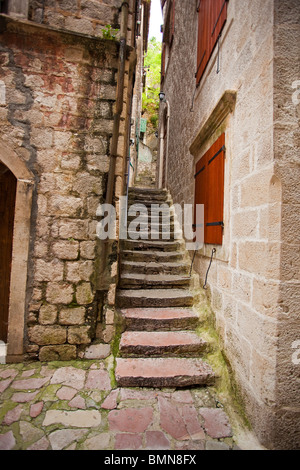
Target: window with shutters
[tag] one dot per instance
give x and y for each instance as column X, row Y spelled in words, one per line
column 209, row 190
column 212, row 16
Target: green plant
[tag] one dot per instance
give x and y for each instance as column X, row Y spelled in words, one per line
column 150, row 95
column 109, row 33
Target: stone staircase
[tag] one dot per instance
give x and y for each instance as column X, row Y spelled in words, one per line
column 159, row 347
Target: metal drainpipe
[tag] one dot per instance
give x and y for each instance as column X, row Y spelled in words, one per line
column 119, row 103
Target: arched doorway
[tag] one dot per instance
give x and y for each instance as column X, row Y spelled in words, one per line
column 17, row 183
column 8, row 187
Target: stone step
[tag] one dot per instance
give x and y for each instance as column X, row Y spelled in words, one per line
column 149, row 202
column 154, row 234
column 162, row 205
column 148, row 226
column 148, row 192
column 161, row 220
column 146, row 281
column 152, row 256
column 159, row 245
column 154, row 298
column 153, row 267
column 157, row 209
column 162, row 372
column 161, row 343
column 160, row 319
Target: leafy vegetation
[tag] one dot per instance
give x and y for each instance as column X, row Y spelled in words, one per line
column 150, row 104
column 109, row 33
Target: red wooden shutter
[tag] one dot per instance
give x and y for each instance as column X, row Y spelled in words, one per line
column 209, row 190
column 215, row 192
column 202, row 39
column 212, row 17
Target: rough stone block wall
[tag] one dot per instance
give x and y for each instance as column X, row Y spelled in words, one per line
column 287, row 167
column 246, row 287
column 80, row 16
column 58, row 117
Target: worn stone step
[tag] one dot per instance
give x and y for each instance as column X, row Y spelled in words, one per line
column 161, row 343
column 148, row 224
column 151, row 192
column 147, row 227
column 152, row 234
column 159, row 245
column 148, row 192
column 152, row 256
column 158, row 226
column 160, row 319
column 148, row 202
column 142, row 208
column 153, row 267
column 154, row 298
column 160, row 205
column 146, row 281
column 162, row 372
column 160, row 221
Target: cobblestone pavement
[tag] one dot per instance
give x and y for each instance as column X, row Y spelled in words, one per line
column 75, row 406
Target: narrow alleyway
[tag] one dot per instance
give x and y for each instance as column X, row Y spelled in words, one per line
column 156, row 391
column 159, row 347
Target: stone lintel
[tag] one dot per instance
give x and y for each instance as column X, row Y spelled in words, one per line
column 224, row 107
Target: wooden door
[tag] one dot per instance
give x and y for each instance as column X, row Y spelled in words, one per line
column 8, row 186
column 209, row 190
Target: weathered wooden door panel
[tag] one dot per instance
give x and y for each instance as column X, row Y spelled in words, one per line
column 8, row 185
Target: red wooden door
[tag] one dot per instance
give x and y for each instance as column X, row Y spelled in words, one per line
column 8, row 185
column 215, row 191
column 209, row 190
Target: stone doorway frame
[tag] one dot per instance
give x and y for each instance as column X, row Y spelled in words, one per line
column 20, row 253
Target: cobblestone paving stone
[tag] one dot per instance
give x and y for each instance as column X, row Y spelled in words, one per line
column 74, row 406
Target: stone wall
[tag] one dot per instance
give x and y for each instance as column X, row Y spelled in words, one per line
column 89, row 17
column 287, row 170
column 254, row 276
column 57, row 116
